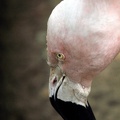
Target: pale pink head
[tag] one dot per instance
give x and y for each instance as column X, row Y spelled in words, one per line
column 88, row 37
column 83, row 37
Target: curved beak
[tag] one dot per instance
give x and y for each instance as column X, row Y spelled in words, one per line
column 55, row 80
column 61, row 87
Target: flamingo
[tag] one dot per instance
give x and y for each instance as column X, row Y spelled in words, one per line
column 83, row 38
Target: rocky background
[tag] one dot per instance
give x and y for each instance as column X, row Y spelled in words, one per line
column 24, row 72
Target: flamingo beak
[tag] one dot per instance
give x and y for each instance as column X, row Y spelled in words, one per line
column 55, row 80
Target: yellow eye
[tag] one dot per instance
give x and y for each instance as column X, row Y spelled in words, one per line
column 60, row 56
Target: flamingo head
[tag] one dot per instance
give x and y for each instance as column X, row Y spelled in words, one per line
column 81, row 42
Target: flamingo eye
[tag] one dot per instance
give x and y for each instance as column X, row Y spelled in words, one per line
column 60, row 56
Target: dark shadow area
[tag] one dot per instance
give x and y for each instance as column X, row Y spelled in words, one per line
column 23, row 68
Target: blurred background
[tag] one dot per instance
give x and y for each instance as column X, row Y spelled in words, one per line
column 24, row 72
